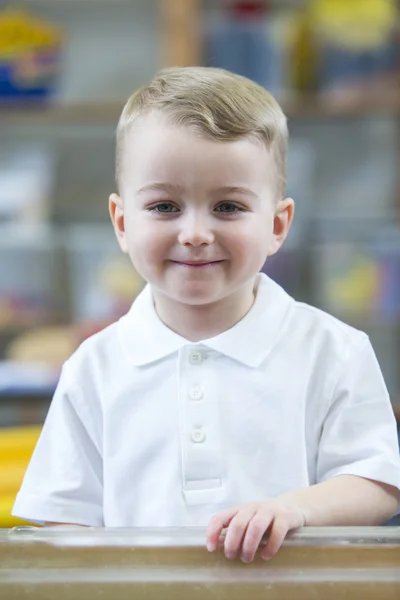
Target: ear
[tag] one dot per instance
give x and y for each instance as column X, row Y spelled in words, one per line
column 116, row 208
column 282, row 220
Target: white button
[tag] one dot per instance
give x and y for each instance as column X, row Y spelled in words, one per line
column 198, row 436
column 195, row 357
column 196, row 393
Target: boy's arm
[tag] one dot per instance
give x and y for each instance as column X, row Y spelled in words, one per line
column 346, row 500
column 357, row 467
column 63, row 482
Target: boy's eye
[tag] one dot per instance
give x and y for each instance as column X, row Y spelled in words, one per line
column 228, row 208
column 164, row 208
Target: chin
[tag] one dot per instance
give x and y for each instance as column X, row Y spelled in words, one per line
column 195, row 296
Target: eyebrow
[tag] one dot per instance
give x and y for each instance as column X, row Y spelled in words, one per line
column 236, row 190
column 171, row 188
column 160, row 187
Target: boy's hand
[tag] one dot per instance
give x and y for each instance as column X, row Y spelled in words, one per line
column 248, row 523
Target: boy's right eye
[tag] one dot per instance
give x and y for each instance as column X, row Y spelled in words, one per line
column 164, row 208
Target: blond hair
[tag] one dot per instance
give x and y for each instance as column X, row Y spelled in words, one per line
column 219, row 104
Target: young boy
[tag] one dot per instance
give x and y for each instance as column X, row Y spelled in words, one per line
column 217, row 394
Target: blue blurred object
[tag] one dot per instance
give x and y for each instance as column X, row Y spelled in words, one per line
column 285, row 268
column 32, row 77
column 238, row 40
column 30, row 53
column 386, row 252
column 27, row 379
column 341, row 66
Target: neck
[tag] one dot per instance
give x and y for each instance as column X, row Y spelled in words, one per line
column 195, row 323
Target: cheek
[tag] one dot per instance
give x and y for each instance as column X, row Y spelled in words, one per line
column 147, row 240
column 252, row 240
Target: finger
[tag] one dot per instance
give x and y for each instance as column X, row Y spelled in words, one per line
column 253, row 536
column 279, row 529
column 236, row 532
column 216, row 525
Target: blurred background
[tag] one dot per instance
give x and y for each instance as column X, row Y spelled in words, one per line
column 66, row 68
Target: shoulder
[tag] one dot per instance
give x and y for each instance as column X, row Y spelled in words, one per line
column 304, row 331
column 325, row 328
column 324, row 346
column 300, row 322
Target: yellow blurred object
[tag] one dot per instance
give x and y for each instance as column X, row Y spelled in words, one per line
column 357, row 24
column 303, row 63
column 6, row 520
column 119, row 278
column 11, row 476
column 18, row 443
column 49, row 345
column 16, row 447
column 20, row 32
column 356, row 290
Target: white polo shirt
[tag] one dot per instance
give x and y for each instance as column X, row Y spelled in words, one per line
column 149, row 429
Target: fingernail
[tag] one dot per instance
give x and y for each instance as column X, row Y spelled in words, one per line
column 210, row 546
column 246, row 558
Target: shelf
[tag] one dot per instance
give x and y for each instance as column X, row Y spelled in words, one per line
column 23, row 393
column 310, row 106
column 313, row 106
column 71, row 114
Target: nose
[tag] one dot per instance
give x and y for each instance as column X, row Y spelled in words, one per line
column 195, row 231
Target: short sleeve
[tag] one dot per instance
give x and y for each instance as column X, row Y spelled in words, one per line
column 63, row 482
column 359, row 435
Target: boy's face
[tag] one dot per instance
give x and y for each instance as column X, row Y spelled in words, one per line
column 197, row 217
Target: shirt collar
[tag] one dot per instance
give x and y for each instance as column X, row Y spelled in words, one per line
column 146, row 339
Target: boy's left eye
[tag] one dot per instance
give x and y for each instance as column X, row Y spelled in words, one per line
column 228, row 208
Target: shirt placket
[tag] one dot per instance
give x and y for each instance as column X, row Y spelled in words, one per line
column 199, row 424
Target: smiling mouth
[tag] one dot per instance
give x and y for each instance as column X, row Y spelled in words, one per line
column 195, row 264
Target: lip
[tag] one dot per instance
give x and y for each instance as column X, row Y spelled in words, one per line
column 196, row 264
